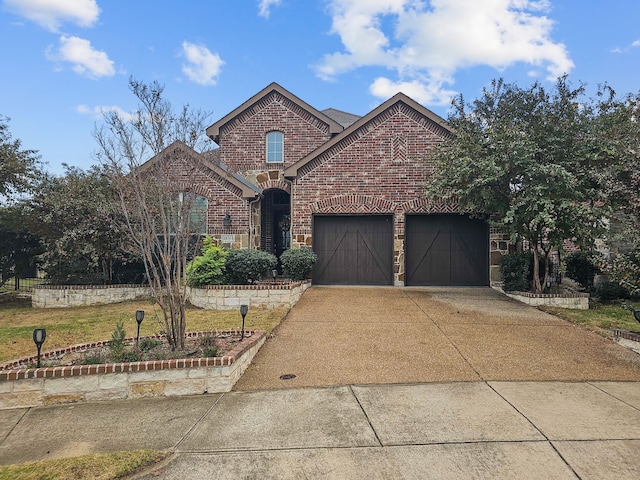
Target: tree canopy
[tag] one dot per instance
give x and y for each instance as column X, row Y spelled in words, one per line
column 19, row 169
column 543, row 165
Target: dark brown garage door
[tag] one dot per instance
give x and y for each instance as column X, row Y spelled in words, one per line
column 353, row 250
column 446, row 250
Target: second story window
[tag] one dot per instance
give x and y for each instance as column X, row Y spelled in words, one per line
column 275, row 150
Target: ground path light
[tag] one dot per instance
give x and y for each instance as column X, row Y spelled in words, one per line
column 243, row 311
column 139, row 318
column 39, row 336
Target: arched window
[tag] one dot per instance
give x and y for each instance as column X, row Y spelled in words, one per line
column 275, row 147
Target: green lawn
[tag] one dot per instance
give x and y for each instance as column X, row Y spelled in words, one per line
column 71, row 326
column 601, row 318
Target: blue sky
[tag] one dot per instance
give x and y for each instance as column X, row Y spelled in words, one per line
column 65, row 61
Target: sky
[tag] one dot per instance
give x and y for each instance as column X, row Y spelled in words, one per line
column 65, row 62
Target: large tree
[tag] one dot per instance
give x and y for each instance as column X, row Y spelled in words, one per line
column 77, row 221
column 528, row 159
column 154, row 197
column 19, row 168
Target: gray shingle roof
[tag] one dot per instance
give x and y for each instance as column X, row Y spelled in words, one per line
column 343, row 118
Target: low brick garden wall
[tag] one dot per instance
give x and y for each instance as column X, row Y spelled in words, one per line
column 579, row 301
column 215, row 297
column 21, row 387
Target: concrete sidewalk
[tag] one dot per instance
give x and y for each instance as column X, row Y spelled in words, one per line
column 510, row 430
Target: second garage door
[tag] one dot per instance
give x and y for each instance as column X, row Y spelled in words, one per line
column 446, row 250
column 353, row 249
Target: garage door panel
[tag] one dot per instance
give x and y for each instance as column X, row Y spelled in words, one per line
column 353, row 250
column 446, row 250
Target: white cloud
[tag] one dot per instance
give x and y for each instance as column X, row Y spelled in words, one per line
column 203, row 66
column 50, row 14
column 99, row 111
column 264, row 7
column 427, row 42
column 84, row 59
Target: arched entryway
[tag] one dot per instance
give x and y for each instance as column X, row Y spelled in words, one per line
column 275, row 221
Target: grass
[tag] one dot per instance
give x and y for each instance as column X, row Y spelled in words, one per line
column 87, row 467
column 71, row 326
column 600, row 318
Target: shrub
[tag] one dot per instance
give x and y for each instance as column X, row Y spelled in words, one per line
column 297, row 263
column 581, row 268
column 626, row 270
column 244, row 267
column 515, row 270
column 116, row 345
column 208, row 268
column 608, row 292
column 147, row 344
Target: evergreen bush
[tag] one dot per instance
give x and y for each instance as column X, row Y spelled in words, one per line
column 207, row 268
column 244, row 267
column 515, row 270
column 297, row 263
column 581, row 268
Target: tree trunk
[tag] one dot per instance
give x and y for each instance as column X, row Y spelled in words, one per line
column 537, row 286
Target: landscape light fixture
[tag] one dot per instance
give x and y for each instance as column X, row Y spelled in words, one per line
column 139, row 318
column 39, row 336
column 243, row 311
column 226, row 221
column 274, row 273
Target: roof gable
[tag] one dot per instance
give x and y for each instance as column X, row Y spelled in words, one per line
column 218, row 168
column 436, row 121
column 213, row 131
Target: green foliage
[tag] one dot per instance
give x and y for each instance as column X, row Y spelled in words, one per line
column 19, row 169
column 244, row 267
column 626, row 271
column 208, row 268
column 146, row 344
column 581, row 268
column 515, row 269
column 19, row 248
column 608, row 292
column 80, row 228
column 116, row 345
column 297, row 263
column 534, row 160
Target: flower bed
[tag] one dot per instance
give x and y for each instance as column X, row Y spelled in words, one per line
column 27, row 387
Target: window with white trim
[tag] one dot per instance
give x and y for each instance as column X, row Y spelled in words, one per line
column 275, row 147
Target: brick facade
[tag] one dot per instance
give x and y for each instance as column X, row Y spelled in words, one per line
column 377, row 165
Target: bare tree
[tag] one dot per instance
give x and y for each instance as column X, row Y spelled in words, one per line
column 153, row 189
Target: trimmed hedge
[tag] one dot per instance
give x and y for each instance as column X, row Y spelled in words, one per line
column 298, row 263
column 244, row 267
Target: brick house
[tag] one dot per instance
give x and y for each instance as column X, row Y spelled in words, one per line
column 286, row 175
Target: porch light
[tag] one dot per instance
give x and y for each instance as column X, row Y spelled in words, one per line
column 226, row 221
column 243, row 311
column 39, row 336
column 139, row 318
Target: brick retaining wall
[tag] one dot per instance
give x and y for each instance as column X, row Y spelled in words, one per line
column 20, row 388
column 579, row 301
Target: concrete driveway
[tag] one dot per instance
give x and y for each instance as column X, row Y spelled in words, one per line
column 380, row 335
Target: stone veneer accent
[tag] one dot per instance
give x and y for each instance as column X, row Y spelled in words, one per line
column 230, row 297
column 579, row 301
column 215, row 297
column 21, row 388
